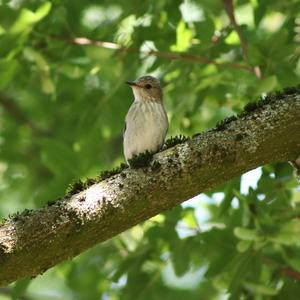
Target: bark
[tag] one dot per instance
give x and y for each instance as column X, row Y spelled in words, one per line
column 37, row 240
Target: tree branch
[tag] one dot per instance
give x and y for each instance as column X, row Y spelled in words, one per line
column 228, row 4
column 287, row 271
column 37, row 240
column 163, row 54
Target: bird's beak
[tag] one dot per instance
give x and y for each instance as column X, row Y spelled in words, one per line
column 131, row 83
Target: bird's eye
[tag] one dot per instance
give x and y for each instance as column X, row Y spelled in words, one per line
column 148, row 86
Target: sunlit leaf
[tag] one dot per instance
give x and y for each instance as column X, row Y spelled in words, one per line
column 183, row 37
column 246, row 234
column 28, row 18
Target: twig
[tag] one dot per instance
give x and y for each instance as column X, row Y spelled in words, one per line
column 163, row 54
column 284, row 270
column 228, row 4
column 230, row 12
column 291, row 273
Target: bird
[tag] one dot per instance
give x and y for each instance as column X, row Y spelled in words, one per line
column 146, row 123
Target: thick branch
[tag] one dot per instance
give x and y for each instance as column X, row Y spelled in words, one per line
column 38, row 240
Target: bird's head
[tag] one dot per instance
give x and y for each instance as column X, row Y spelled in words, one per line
column 146, row 88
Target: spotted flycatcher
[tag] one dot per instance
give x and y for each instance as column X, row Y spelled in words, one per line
column 146, row 122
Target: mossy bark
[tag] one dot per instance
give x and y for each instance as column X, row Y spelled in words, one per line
column 36, row 240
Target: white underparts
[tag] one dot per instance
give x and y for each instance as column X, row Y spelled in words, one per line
column 146, row 128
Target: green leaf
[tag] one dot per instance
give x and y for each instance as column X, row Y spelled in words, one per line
column 180, row 259
column 189, row 217
column 47, row 85
column 230, row 190
column 243, row 245
column 8, row 69
column 266, row 85
column 205, row 29
column 294, row 262
column 246, row 234
column 259, row 12
column 28, row 18
column 254, row 54
column 72, row 71
column 59, row 158
column 2, row 30
column 289, row 233
column 239, row 273
column 183, row 38
column 132, row 262
column 19, row 288
column 260, row 289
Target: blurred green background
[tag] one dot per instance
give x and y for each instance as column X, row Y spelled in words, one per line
column 62, row 110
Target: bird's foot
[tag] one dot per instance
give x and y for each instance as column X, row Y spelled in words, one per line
column 141, row 160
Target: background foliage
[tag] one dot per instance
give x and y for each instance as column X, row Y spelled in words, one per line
column 62, row 106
